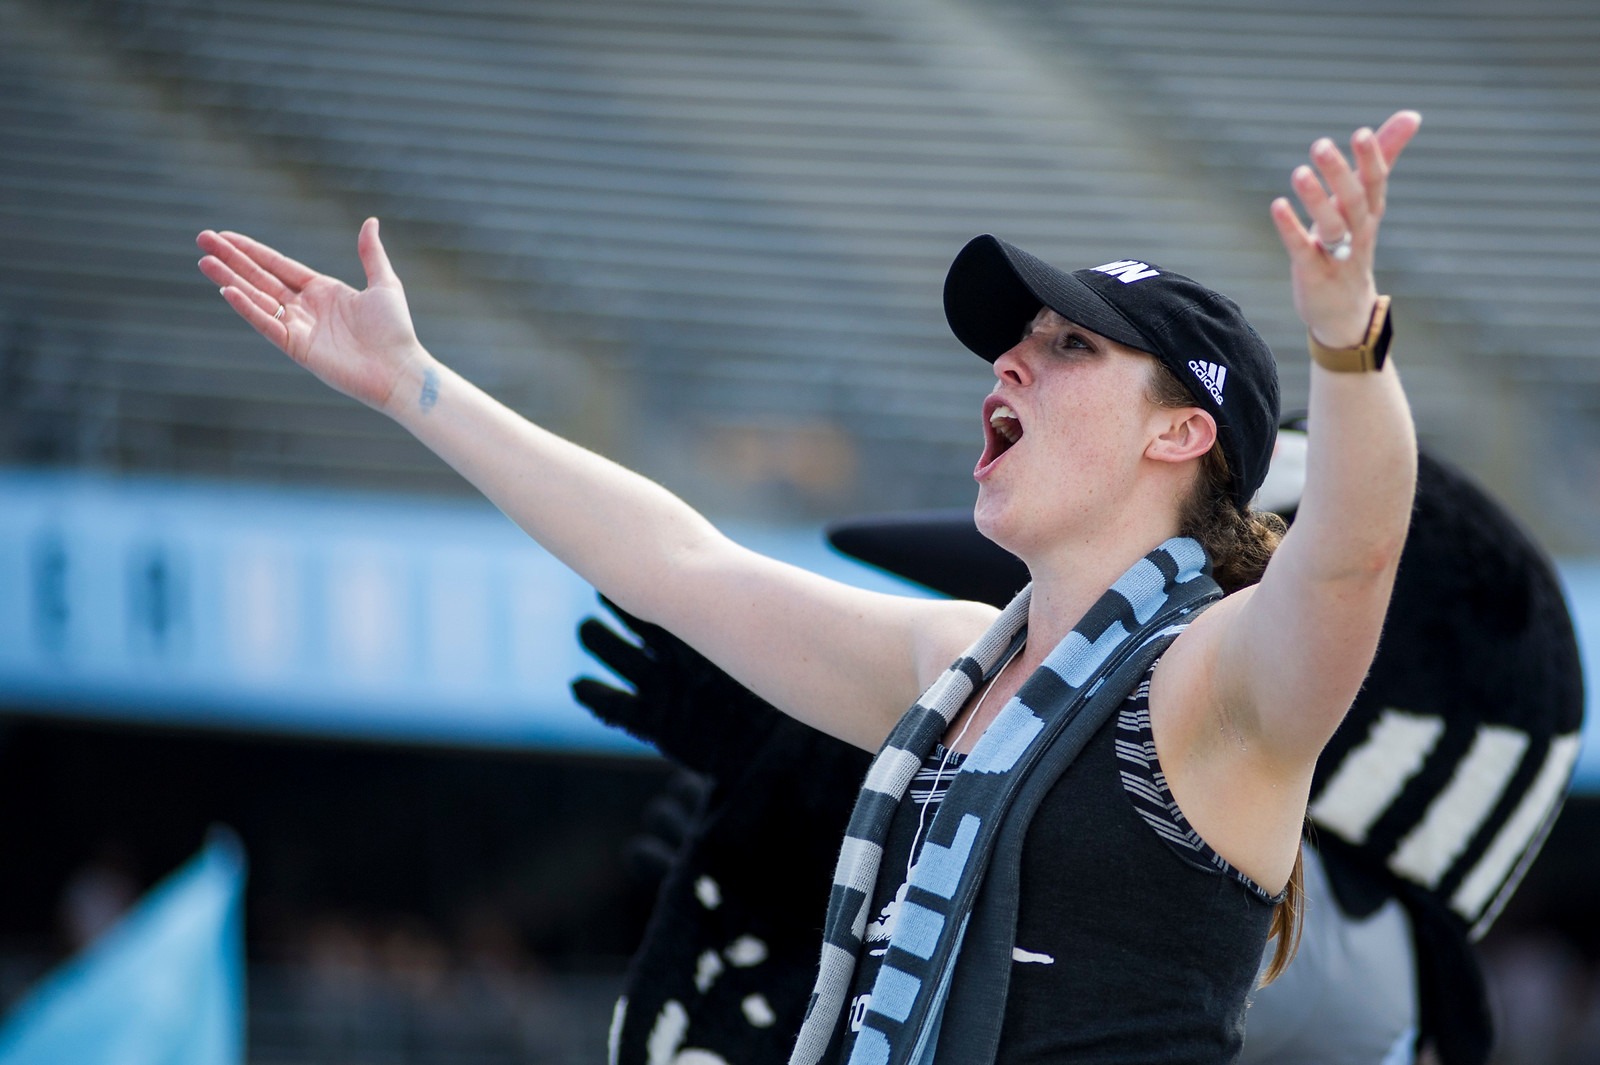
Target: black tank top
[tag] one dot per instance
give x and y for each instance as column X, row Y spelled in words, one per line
column 1135, row 942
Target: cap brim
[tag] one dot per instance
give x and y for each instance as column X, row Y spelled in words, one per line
column 994, row 289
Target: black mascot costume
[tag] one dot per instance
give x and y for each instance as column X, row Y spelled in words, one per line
column 1428, row 805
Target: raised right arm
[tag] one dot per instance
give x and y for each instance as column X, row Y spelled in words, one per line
column 845, row 660
column 837, row 657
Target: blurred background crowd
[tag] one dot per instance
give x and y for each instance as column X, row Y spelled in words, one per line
column 706, row 238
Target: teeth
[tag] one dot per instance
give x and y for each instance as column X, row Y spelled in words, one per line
column 1004, row 420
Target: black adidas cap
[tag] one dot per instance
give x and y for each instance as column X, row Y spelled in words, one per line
column 994, row 289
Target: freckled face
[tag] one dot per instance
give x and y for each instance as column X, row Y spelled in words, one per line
column 1064, row 432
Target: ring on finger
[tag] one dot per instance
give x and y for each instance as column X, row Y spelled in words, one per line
column 1338, row 250
column 278, row 315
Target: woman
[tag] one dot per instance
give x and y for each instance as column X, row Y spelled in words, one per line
column 1094, row 463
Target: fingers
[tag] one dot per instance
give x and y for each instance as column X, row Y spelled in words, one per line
column 649, row 860
column 1321, row 205
column 1297, row 239
column 229, row 282
column 229, row 265
column 288, row 273
column 1396, row 132
column 1344, row 198
column 248, row 305
column 1378, row 152
column 1341, row 209
column 374, row 260
column 226, row 277
column 628, row 660
column 258, row 297
column 1374, row 171
column 1375, row 154
column 614, row 706
column 1333, row 231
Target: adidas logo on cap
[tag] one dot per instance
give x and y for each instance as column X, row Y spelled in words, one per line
column 1211, row 375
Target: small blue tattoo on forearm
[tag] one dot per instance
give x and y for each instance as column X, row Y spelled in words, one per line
column 430, row 390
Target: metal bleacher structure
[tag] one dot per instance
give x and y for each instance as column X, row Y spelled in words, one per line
column 708, row 237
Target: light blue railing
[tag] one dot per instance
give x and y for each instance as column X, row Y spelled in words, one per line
column 387, row 617
column 316, row 612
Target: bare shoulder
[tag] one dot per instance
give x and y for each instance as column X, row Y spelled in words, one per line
column 947, row 628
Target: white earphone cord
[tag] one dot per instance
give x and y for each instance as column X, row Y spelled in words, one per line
column 938, row 775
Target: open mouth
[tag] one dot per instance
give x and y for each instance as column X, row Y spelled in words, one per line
column 1003, row 429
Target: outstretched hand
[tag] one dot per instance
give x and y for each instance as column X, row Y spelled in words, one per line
column 690, row 710
column 1334, row 296
column 358, row 342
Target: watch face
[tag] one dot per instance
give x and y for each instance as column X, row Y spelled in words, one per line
column 1380, row 343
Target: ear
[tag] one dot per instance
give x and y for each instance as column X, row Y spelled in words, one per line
column 1182, row 433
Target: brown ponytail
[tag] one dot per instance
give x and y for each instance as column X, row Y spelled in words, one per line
column 1239, row 544
column 1288, row 918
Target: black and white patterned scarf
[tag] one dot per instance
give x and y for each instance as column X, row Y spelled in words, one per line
column 1054, row 707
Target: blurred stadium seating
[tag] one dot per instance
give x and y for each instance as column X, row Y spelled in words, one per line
column 707, row 237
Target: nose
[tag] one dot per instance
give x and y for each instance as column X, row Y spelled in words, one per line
column 1012, row 366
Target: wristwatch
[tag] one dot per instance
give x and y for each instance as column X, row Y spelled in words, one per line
column 1364, row 357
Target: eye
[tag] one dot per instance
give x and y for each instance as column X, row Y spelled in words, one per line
column 1072, row 342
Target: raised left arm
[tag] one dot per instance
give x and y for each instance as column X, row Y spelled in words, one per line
column 1291, row 652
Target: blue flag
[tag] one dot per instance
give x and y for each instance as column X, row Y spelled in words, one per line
column 164, row 986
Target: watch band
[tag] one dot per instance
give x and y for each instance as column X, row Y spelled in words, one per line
column 1366, row 356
